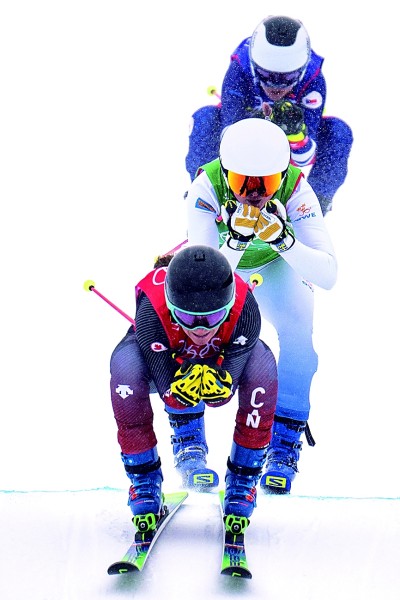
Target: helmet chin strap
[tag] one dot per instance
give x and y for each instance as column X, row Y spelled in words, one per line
column 229, row 197
column 284, row 173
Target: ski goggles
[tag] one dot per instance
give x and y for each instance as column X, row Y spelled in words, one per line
column 197, row 320
column 244, row 185
column 279, row 80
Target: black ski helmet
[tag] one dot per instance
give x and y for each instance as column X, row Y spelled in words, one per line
column 199, row 279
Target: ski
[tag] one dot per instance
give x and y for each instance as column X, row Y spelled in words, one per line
column 234, row 560
column 148, row 531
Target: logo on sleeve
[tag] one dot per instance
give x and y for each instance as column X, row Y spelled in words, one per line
column 158, row 347
column 303, row 209
column 203, row 205
column 305, row 212
column 241, row 340
column 124, row 391
column 312, row 100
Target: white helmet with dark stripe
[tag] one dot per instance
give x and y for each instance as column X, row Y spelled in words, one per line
column 280, row 45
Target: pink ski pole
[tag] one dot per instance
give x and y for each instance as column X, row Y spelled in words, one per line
column 89, row 286
column 212, row 91
column 178, row 247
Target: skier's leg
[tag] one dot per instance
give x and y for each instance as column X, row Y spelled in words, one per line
column 190, row 448
column 257, row 401
column 287, row 302
column 241, row 480
column 130, row 385
column 144, row 471
column 334, row 142
column 283, row 455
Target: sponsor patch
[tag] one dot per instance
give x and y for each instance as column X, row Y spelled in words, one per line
column 312, row 100
column 303, row 209
column 158, row 347
column 123, row 390
column 203, row 205
column 241, row 340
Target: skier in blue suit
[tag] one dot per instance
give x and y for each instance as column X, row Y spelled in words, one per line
column 275, row 74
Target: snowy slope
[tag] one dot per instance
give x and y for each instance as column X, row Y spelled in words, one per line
column 301, row 547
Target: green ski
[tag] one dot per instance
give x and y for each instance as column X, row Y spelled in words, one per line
column 234, row 560
column 148, row 530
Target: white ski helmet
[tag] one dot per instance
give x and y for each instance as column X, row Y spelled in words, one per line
column 254, row 147
column 280, row 45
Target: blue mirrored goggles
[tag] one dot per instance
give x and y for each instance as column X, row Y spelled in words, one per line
column 197, row 320
column 279, row 80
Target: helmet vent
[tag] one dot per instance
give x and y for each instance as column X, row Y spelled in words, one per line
column 199, row 257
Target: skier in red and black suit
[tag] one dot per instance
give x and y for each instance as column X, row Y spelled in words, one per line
column 195, row 342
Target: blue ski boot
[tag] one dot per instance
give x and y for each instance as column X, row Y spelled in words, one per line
column 145, row 474
column 190, row 451
column 243, row 473
column 283, row 454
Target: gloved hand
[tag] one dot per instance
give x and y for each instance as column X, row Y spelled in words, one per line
column 185, row 386
column 272, row 226
column 290, row 118
column 240, row 220
column 216, row 385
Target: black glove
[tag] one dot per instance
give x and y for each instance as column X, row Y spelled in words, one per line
column 216, row 385
column 185, row 386
column 289, row 117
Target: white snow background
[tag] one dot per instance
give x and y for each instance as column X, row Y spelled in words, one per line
column 95, row 101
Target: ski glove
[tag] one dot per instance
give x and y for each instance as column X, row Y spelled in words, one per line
column 290, row 118
column 216, row 385
column 272, row 226
column 240, row 220
column 185, row 386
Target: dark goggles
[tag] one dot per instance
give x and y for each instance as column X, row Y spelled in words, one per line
column 279, row 80
column 196, row 320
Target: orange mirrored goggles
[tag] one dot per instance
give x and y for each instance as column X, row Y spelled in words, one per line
column 244, row 185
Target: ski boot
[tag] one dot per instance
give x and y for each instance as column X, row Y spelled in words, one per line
column 243, row 473
column 282, row 455
column 145, row 496
column 190, row 450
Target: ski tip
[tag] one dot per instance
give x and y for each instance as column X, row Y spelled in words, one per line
column 241, row 572
column 119, row 568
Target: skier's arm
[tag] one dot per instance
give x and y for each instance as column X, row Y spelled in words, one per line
column 312, row 255
column 243, row 339
column 312, row 102
column 237, row 98
column 161, row 365
column 202, row 211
